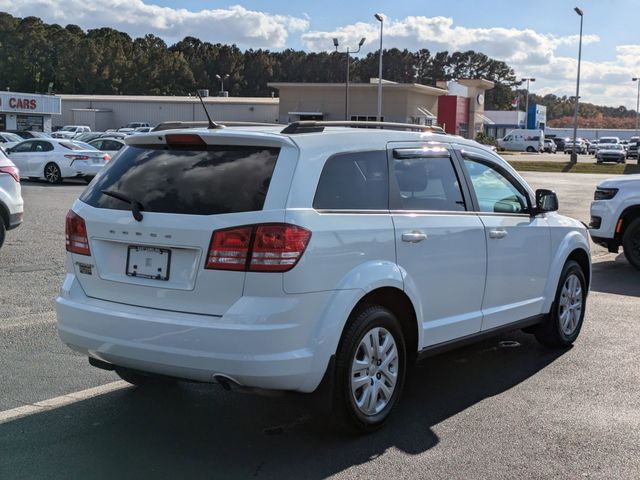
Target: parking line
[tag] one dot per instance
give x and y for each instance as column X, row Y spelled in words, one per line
column 61, row 401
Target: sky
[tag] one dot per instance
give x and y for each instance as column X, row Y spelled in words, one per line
column 538, row 38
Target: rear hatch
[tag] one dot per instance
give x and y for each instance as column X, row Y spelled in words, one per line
column 186, row 191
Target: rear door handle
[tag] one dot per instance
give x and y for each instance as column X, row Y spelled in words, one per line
column 414, row 237
column 498, row 233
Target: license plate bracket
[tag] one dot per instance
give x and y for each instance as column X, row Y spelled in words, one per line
column 148, row 262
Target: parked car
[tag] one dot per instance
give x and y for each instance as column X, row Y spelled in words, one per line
column 593, row 147
column 559, row 143
column 70, row 131
column 114, row 134
column 27, row 134
column 110, row 146
column 523, row 140
column 142, row 130
column 632, row 151
column 608, row 140
column 615, row 216
column 11, row 203
column 550, row 146
column 8, row 140
column 289, row 258
column 56, row 159
column 88, row 136
column 580, row 146
column 130, row 127
column 611, row 152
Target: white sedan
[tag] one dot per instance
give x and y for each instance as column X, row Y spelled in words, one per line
column 110, row 146
column 56, row 159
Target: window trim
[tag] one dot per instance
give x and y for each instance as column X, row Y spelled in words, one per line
column 486, row 160
column 394, row 188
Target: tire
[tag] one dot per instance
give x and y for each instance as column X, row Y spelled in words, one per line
column 371, row 372
column 52, row 174
column 531, row 149
column 557, row 331
column 140, row 379
column 631, row 243
column 3, row 231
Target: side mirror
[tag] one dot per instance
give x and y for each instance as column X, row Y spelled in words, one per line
column 546, row 201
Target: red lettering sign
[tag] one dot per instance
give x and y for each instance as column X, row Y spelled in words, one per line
column 23, row 103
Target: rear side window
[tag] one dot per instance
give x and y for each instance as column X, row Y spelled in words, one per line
column 354, row 181
column 428, row 183
column 220, row 179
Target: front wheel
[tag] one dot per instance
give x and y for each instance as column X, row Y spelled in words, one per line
column 562, row 326
column 631, row 243
column 370, row 369
column 52, row 173
column 531, row 149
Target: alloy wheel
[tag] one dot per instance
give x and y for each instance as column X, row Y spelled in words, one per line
column 570, row 305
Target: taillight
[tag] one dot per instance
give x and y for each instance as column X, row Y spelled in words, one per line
column 13, row 171
column 229, row 249
column 76, row 234
column 77, row 157
column 277, row 248
column 257, row 248
column 106, row 157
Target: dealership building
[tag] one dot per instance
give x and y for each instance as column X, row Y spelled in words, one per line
column 102, row 112
column 26, row 111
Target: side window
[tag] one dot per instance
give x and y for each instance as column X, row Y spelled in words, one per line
column 97, row 144
column 23, row 147
column 111, row 145
column 427, row 183
column 494, row 191
column 41, row 146
column 354, row 181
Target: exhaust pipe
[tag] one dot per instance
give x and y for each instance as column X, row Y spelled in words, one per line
column 226, row 381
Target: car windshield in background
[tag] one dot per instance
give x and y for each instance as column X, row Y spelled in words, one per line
column 68, row 129
column 614, row 146
column 220, row 179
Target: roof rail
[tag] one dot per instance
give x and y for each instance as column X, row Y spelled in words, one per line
column 308, row 126
column 179, row 125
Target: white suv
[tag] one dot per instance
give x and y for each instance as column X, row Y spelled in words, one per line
column 615, row 216
column 11, row 204
column 274, row 259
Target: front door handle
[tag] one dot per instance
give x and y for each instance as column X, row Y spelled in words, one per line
column 414, row 237
column 498, row 233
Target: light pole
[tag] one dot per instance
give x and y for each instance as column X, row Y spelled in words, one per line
column 526, row 107
column 346, row 93
column 574, row 154
column 637, row 79
column 380, row 18
column 222, row 79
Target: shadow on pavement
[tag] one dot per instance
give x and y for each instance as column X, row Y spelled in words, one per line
column 616, row 276
column 200, row 431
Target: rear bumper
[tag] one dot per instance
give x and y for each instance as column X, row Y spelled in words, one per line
column 271, row 346
column 15, row 220
column 87, row 170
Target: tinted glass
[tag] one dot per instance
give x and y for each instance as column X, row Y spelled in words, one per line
column 495, row 192
column 41, row 146
column 428, row 184
column 354, row 181
column 96, row 144
column 73, row 146
column 221, row 179
column 110, row 145
column 23, row 147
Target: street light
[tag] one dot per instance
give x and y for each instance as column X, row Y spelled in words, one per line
column 346, row 93
column 526, row 108
column 380, row 18
column 574, row 154
column 222, row 79
column 637, row 79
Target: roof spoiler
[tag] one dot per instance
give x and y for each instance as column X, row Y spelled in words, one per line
column 309, row 126
column 177, row 125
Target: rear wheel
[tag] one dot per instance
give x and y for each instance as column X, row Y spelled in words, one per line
column 140, row 379
column 562, row 325
column 531, row 149
column 370, row 369
column 52, row 173
column 631, row 243
column 2, row 231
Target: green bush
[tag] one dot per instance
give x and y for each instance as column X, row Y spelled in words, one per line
column 485, row 139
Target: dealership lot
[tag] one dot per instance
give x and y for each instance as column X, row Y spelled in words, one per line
column 494, row 409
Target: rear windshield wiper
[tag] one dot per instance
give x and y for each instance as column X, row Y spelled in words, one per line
column 136, row 206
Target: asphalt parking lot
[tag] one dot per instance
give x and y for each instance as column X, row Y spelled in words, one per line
column 491, row 410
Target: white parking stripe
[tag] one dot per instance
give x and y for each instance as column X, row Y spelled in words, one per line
column 60, row 401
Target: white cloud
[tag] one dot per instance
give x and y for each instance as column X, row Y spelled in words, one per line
column 530, row 53
column 236, row 24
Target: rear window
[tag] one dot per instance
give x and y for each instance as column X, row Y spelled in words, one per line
column 221, row 179
column 71, row 146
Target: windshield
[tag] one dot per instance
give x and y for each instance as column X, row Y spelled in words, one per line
column 614, row 146
column 68, row 129
column 12, row 137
